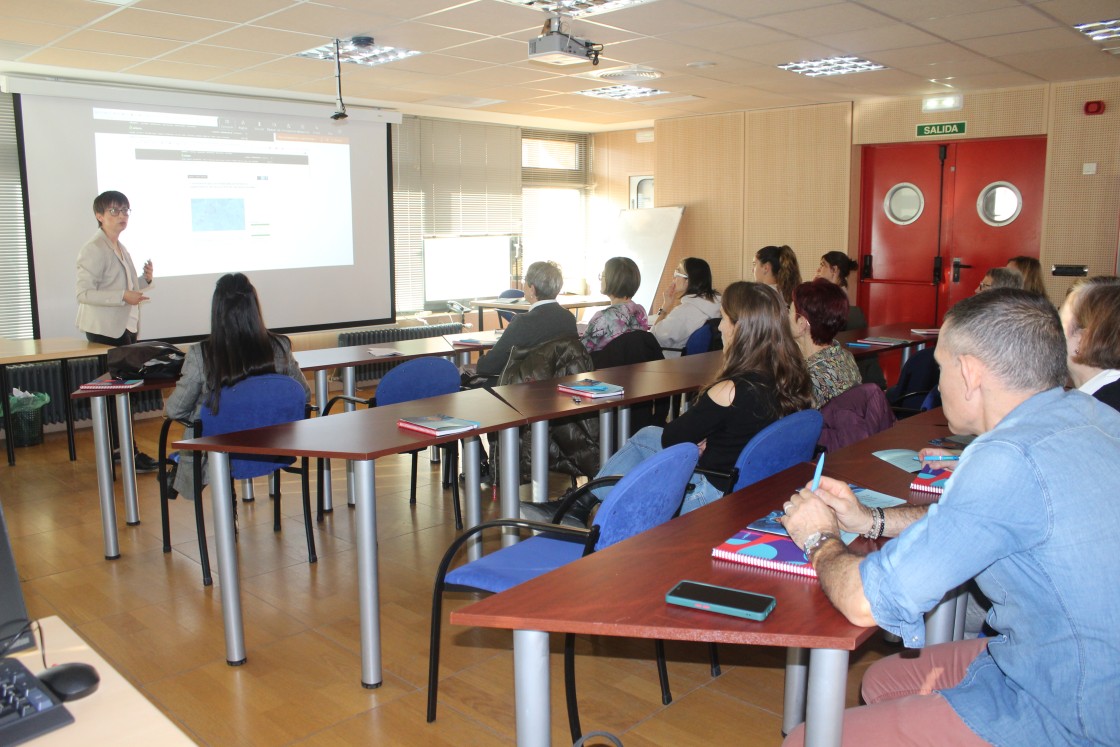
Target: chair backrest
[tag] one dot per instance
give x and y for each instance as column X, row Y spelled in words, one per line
column 417, row 379
column 860, row 412
column 916, row 379
column 505, row 316
column 266, row 399
column 780, row 445
column 635, row 346
column 699, row 341
column 647, row 495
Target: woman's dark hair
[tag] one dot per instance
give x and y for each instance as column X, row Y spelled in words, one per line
column 621, row 277
column 239, row 345
column 842, row 263
column 824, row 306
column 1096, row 311
column 699, row 278
column 1031, row 270
column 762, row 342
column 107, row 200
column 783, row 263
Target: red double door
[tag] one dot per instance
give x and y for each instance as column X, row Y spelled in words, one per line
column 935, row 217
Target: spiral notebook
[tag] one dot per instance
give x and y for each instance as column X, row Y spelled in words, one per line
column 931, row 479
column 764, row 550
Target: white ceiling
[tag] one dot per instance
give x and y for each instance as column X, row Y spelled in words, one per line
column 477, row 49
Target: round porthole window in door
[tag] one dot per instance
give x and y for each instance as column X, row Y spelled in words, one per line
column 999, row 203
column 904, row 203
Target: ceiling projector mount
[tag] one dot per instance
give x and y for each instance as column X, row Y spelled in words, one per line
column 557, row 46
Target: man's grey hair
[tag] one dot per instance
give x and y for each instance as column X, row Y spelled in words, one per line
column 546, row 278
column 1005, row 277
column 1016, row 334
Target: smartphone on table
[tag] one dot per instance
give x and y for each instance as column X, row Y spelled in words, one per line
column 721, row 599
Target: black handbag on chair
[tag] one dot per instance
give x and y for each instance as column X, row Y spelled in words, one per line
column 145, row 360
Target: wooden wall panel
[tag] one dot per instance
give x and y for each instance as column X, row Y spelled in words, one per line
column 1005, row 113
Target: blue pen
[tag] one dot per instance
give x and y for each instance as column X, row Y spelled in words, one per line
column 937, row 459
column 817, row 474
column 859, row 344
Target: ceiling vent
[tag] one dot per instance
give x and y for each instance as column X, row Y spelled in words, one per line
column 628, row 74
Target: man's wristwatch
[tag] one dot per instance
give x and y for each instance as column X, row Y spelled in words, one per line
column 814, row 541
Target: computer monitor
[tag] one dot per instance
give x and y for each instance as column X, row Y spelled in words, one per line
column 15, row 632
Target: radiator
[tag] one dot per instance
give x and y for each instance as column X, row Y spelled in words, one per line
column 391, row 334
column 47, row 377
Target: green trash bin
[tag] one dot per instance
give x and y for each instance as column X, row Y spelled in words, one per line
column 27, row 418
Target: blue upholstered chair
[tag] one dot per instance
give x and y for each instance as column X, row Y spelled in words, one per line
column 649, row 495
column 780, row 445
column 255, row 402
column 505, row 317
column 413, row 380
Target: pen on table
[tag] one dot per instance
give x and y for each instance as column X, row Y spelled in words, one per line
column 817, row 473
column 858, row 344
column 937, row 458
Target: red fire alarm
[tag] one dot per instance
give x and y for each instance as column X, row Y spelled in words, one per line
column 1094, row 107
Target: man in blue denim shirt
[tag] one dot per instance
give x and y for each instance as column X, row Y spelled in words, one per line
column 1032, row 512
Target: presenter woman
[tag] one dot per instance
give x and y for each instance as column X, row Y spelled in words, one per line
column 239, row 346
column 108, row 289
column 763, row 377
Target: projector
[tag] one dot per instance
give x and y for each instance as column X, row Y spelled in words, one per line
column 557, row 48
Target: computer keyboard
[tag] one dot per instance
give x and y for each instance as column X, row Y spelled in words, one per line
column 27, row 708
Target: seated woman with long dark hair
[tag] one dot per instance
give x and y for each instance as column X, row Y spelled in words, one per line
column 763, row 378
column 819, row 310
column 777, row 267
column 686, row 304
column 239, row 346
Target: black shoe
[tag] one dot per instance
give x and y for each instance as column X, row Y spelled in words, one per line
column 578, row 514
column 144, row 463
column 483, row 474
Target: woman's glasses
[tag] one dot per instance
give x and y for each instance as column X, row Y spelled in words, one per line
column 680, row 275
column 115, row 211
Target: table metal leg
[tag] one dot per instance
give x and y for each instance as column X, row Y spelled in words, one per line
column 797, row 678
column 322, row 394
column 225, row 543
column 828, row 677
column 531, row 689
column 128, row 462
column 539, row 460
column 940, row 620
column 480, row 327
column 67, row 387
column 510, row 480
column 350, row 389
column 606, row 435
column 103, row 458
column 623, row 425
column 472, row 490
column 369, row 599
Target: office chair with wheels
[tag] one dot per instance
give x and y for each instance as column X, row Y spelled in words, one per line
column 504, row 317
column 414, row 380
column 649, row 495
column 255, row 402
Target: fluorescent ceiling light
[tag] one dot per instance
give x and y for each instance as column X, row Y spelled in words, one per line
column 1100, row 30
column 578, row 8
column 949, row 103
column 832, row 66
column 620, row 93
column 359, row 51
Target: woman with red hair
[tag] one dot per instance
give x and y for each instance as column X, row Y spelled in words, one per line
column 817, row 312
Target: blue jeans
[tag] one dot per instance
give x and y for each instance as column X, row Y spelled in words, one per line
column 644, row 444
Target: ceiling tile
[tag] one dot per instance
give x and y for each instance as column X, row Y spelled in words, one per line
column 205, row 54
column 239, row 11
column 126, row 44
column 395, row 8
column 1064, row 64
column 515, row 75
column 1073, row 12
column 424, row 37
column 826, row 19
column 972, row 25
column 160, row 25
column 599, row 32
column 82, row 60
column 71, row 13
column 332, row 22
column 1026, row 41
column 748, row 9
column 31, row 32
column 177, row 70
column 11, row 52
column 912, row 58
column 780, row 53
column 728, row 36
column 259, row 79
column 438, row 64
column 868, row 41
column 488, row 17
column 663, row 17
column 497, row 50
column 267, row 40
column 1009, row 79
column 918, row 10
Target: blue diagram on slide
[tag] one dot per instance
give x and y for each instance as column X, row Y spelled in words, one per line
column 217, row 214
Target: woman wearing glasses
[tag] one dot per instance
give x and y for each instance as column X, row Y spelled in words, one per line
column 109, row 290
column 686, row 304
column 619, row 282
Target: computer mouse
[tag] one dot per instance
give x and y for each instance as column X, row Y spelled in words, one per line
column 70, row 681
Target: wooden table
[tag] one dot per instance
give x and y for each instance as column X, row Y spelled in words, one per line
column 620, row 591
column 900, row 331
column 16, row 352
column 360, row 436
column 117, row 714
column 520, row 306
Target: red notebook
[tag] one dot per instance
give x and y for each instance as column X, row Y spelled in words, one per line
column 931, row 479
column 763, row 550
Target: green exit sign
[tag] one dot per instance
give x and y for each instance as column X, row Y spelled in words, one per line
column 941, row 129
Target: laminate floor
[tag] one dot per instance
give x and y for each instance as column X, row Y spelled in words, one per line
column 149, row 615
